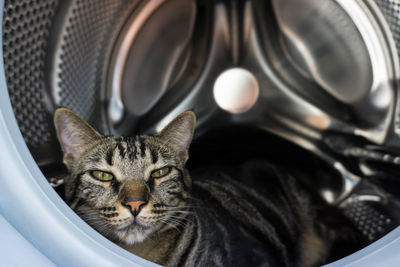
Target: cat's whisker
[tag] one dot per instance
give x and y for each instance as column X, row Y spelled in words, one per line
column 170, row 225
column 183, row 217
column 195, row 198
column 150, row 237
column 178, row 220
column 180, row 211
column 183, row 207
column 176, row 224
column 176, row 217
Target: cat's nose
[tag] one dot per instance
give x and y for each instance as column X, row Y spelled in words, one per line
column 134, row 205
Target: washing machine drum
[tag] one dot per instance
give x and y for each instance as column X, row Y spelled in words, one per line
column 320, row 75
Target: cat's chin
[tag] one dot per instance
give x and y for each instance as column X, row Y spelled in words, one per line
column 134, row 233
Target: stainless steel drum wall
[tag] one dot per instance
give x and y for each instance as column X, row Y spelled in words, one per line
column 391, row 10
column 26, row 26
column 83, row 41
column 75, row 62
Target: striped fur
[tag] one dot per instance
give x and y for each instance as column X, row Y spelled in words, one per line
column 225, row 218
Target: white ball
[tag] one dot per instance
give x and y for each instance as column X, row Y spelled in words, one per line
column 236, row 90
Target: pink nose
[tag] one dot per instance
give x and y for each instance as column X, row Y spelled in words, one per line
column 134, row 205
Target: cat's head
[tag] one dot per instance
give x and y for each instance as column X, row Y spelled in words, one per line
column 126, row 187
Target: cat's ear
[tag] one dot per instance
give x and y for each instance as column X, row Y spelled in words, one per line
column 74, row 134
column 178, row 133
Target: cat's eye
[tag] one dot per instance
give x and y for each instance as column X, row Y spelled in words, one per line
column 161, row 172
column 102, row 176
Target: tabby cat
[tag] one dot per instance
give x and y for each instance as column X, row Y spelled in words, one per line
column 137, row 192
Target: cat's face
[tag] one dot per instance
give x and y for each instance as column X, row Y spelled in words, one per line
column 127, row 188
